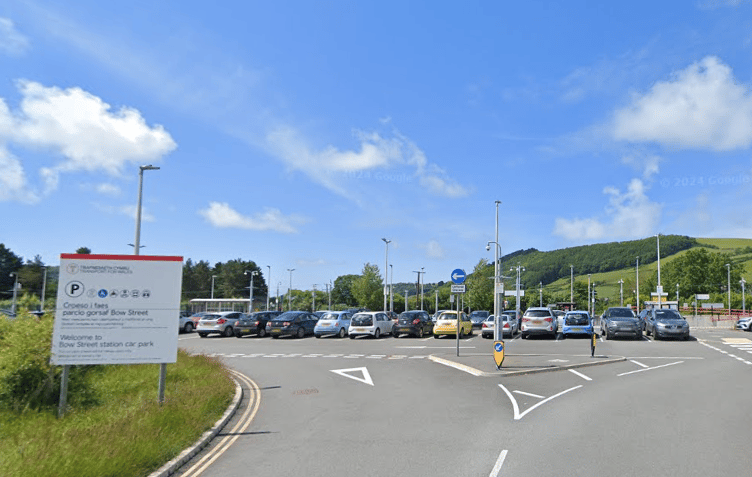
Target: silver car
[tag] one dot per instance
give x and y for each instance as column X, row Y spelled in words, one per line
column 539, row 321
column 222, row 323
column 332, row 323
column 666, row 323
column 509, row 326
column 744, row 323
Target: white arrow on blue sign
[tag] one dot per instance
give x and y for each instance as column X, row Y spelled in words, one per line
column 458, row 276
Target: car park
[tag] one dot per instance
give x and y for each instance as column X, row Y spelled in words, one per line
column 332, row 323
column 620, row 321
column 446, row 324
column 222, row 323
column 478, row 317
column 744, row 323
column 297, row 324
column 254, row 324
column 577, row 323
column 539, row 321
column 370, row 323
column 414, row 323
column 185, row 324
column 666, row 323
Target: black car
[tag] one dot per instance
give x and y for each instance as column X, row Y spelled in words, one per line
column 478, row 317
column 255, row 323
column 620, row 321
column 292, row 323
column 415, row 323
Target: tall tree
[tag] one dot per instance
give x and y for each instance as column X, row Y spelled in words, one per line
column 9, row 263
column 368, row 288
column 83, row 250
column 342, row 291
column 479, row 286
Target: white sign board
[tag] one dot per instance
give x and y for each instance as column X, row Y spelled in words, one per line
column 514, row 293
column 458, row 288
column 117, row 309
column 702, row 296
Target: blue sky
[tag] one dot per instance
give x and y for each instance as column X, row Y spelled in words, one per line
column 298, row 134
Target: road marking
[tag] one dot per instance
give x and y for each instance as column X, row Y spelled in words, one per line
column 245, row 420
column 365, row 379
column 586, row 378
column 737, row 341
column 724, row 352
column 499, row 462
column 648, row 369
column 639, row 364
column 528, row 394
column 518, row 415
column 454, row 365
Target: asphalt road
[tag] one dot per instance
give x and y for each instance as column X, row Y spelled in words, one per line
column 340, row 407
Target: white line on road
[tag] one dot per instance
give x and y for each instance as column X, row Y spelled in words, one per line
column 499, row 462
column 639, row 364
column 454, row 365
column 648, row 369
column 517, row 415
column 528, row 394
column 586, row 378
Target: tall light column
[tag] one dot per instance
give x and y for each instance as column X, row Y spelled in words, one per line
column 212, row 287
column 141, row 169
column 391, row 287
column 386, row 267
column 540, row 289
column 637, row 288
column 588, row 294
column 44, row 285
column 289, row 291
column 621, row 291
column 15, row 292
column 743, row 282
column 571, row 285
column 497, row 253
column 728, row 271
column 268, row 282
column 422, row 282
column 250, row 300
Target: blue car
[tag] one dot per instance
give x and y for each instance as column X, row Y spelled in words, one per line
column 577, row 323
column 332, row 323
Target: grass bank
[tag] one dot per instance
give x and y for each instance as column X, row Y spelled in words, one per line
column 115, row 427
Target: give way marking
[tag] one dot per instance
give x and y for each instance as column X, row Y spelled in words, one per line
column 517, row 414
column 365, row 379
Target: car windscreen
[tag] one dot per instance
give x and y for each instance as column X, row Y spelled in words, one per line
column 448, row 316
column 667, row 315
column 286, row 317
column 537, row 314
column 330, row 316
column 362, row 319
column 621, row 313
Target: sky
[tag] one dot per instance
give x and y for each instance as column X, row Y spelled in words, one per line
column 299, row 134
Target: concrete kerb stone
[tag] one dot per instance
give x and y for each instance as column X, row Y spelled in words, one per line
column 170, row 467
column 534, row 370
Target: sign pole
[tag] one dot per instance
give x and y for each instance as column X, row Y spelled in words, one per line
column 457, row 334
column 63, row 404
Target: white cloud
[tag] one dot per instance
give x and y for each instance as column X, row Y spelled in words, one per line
column 127, row 210
column 108, row 189
column 13, row 184
column 221, row 215
column 81, row 129
column 702, row 107
column 327, row 166
column 629, row 214
column 11, row 41
column 434, row 250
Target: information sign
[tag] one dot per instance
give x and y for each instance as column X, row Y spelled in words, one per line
column 117, row 309
column 458, row 276
column 458, row 289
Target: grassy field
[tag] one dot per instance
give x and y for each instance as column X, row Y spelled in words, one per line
column 117, row 428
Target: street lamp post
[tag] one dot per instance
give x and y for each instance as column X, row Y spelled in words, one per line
column 497, row 253
column 407, row 292
column 15, row 292
column 728, row 270
column 386, row 266
column 637, row 287
column 212, row 287
column 44, row 285
column 621, row 292
column 677, row 295
column 588, row 294
column 141, row 169
column 391, row 289
column 519, row 270
column 268, row 282
column 571, row 286
column 743, row 282
column 289, row 291
column 250, row 300
column 422, row 282
column 540, row 289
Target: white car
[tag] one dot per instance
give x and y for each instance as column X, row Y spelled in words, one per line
column 744, row 324
column 222, row 323
column 185, row 324
column 509, row 326
column 373, row 323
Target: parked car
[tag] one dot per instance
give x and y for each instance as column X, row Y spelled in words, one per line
column 744, row 323
column 436, row 315
column 644, row 318
column 196, row 317
column 333, row 323
column 666, row 323
column 373, row 323
column 559, row 318
column 539, row 321
column 414, row 322
column 392, row 316
column 255, row 323
column 292, row 323
column 620, row 321
column 509, row 326
column 222, row 323
column 577, row 323
column 478, row 317
column 185, row 324
column 446, row 324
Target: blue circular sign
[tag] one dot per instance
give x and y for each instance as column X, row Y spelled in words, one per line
column 458, row 276
column 499, row 347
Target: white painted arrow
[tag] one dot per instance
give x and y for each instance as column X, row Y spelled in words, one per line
column 365, row 379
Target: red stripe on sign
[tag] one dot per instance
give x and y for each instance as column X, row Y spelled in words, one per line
column 146, row 258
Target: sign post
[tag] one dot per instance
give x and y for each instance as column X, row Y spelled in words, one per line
column 498, row 353
column 117, row 309
column 593, row 339
column 458, row 278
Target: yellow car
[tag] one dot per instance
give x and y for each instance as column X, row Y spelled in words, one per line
column 446, row 324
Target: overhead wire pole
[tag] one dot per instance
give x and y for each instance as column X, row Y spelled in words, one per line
column 386, row 270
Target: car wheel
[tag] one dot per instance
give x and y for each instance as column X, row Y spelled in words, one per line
column 647, row 331
column 563, row 336
column 188, row 327
column 262, row 332
column 638, row 337
column 342, row 333
column 377, row 333
column 228, row 332
column 656, row 337
column 202, row 335
column 523, row 336
column 420, row 332
column 436, row 336
column 395, row 334
column 238, row 334
column 462, row 335
column 317, row 335
column 275, row 336
column 608, row 335
column 301, row 333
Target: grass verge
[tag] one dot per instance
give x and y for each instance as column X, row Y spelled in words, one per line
column 119, row 429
